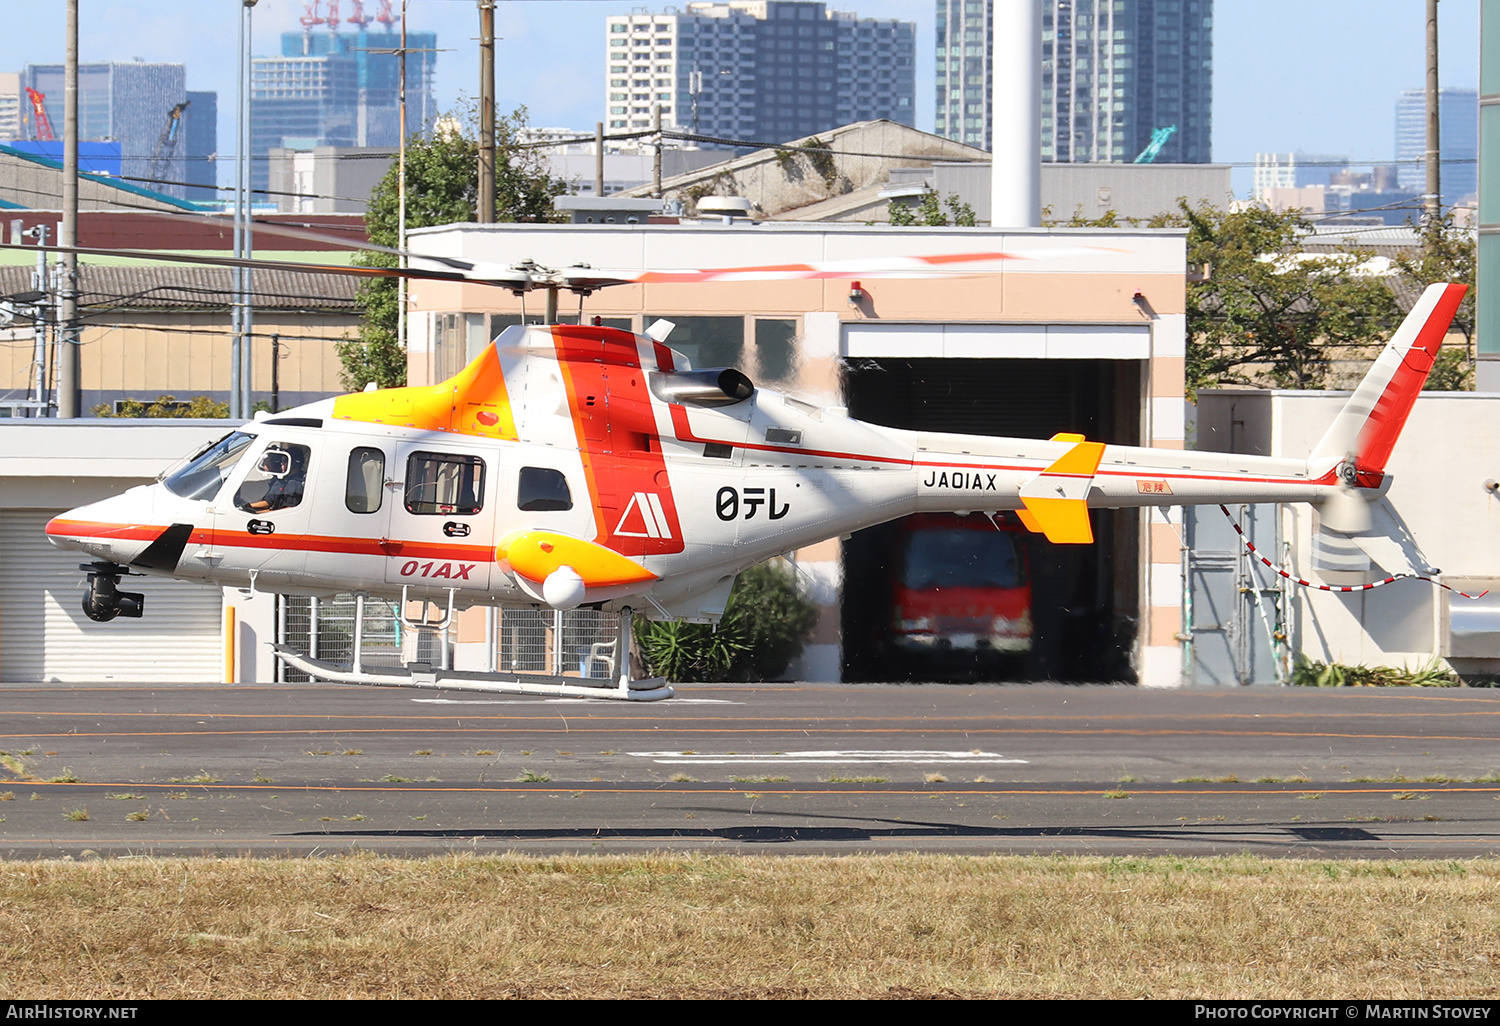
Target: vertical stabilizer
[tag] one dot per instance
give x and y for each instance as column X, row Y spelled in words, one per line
column 1360, row 440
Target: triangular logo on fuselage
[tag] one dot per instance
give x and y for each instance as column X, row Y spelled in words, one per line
column 644, row 518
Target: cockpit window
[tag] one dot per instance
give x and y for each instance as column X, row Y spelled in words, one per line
column 277, row 480
column 201, row 475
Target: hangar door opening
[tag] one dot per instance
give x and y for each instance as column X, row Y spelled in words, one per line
column 1084, row 598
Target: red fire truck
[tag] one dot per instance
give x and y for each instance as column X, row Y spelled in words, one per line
column 961, row 594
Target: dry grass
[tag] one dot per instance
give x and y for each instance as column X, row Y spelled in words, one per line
column 698, row 926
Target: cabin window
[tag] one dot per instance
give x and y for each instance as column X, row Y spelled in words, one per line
column 443, row 484
column 365, row 485
column 276, row 481
column 543, row 489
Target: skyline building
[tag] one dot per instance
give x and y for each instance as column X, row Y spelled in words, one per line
column 330, row 89
column 129, row 103
column 10, row 105
column 1458, row 139
column 768, row 70
column 201, row 138
column 1113, row 71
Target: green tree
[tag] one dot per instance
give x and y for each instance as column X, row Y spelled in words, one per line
column 765, row 624
column 1448, row 253
column 1263, row 310
column 199, row 407
column 442, row 187
column 929, row 212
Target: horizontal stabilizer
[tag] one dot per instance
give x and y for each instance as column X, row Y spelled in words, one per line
column 1057, row 498
column 1063, row 521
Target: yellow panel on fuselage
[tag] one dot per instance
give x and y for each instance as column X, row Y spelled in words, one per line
column 473, row 402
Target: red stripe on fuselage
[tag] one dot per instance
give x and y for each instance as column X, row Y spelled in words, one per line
column 86, row 529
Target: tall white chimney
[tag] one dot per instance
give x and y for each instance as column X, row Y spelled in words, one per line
column 1016, row 114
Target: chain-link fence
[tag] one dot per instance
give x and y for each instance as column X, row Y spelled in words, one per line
column 574, row 642
column 560, row 642
column 323, row 628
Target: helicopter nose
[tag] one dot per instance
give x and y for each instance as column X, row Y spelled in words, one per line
column 113, row 529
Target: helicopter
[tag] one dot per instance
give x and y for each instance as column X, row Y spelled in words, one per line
column 581, row 465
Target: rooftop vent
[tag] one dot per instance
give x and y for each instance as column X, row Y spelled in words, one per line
column 727, row 207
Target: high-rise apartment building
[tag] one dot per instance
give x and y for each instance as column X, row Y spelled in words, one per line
column 330, row 89
column 1113, row 71
column 770, row 70
column 1458, row 141
column 130, row 103
column 10, row 106
column 200, row 140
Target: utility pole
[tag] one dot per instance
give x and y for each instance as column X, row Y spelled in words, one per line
column 401, row 194
column 486, row 111
column 1432, row 201
column 69, row 387
column 41, row 285
column 656, row 138
column 598, row 159
column 240, row 353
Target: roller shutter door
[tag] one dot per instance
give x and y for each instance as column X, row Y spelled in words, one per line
column 44, row 635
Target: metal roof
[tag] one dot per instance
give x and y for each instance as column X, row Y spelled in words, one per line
column 169, row 287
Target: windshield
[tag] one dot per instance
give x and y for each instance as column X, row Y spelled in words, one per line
column 201, row 475
column 957, row 557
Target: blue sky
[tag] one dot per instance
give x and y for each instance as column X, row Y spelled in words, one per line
column 1315, row 75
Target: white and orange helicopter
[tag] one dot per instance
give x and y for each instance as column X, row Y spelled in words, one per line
column 572, row 466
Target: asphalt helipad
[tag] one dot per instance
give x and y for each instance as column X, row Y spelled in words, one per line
column 306, row 769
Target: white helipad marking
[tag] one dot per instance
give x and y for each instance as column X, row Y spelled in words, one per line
column 844, row 757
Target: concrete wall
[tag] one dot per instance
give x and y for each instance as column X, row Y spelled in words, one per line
column 1449, row 449
column 1132, row 191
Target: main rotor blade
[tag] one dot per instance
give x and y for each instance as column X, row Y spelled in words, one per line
column 941, row 265
column 501, row 278
column 277, row 228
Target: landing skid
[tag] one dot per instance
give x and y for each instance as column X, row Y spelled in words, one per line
column 419, row 675
column 423, row 675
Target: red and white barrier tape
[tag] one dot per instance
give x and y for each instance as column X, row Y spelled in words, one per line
column 1328, row 587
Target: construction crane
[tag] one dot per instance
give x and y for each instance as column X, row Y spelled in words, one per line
column 43, row 123
column 166, row 146
column 1159, row 139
